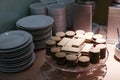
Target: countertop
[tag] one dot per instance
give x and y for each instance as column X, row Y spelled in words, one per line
column 36, row 70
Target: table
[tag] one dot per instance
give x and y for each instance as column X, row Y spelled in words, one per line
column 34, row 73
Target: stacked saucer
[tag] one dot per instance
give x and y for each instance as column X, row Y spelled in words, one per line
column 16, row 51
column 58, row 13
column 40, row 26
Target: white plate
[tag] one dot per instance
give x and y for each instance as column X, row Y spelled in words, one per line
column 35, row 22
column 17, row 53
column 19, row 58
column 42, row 36
column 15, row 65
column 13, row 39
column 30, row 41
column 37, row 31
column 18, row 69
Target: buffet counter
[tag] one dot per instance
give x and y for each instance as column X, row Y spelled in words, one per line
column 35, row 72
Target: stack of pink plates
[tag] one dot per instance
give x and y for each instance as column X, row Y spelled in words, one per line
column 58, row 13
column 16, row 51
column 69, row 11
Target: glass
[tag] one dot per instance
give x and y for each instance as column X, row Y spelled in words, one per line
column 50, row 73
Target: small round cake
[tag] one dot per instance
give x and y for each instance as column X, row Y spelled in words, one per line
column 95, row 52
column 97, row 36
column 100, row 41
column 60, row 34
column 56, row 38
column 71, row 60
column 70, row 33
column 49, row 44
column 89, row 33
column 80, row 32
column 54, row 50
column 88, row 38
column 60, row 58
column 84, row 61
column 102, row 50
column 94, row 55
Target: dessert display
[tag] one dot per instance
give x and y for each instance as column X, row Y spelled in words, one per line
column 77, row 51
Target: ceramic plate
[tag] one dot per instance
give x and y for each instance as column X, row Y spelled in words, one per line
column 19, row 53
column 13, row 39
column 17, row 59
column 35, row 22
column 3, row 51
column 37, row 31
column 20, row 68
column 42, row 36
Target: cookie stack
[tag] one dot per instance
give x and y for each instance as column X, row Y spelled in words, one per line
column 16, row 51
column 40, row 26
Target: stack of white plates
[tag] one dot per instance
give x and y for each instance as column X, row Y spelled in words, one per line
column 16, row 51
column 38, row 9
column 57, row 12
column 40, row 26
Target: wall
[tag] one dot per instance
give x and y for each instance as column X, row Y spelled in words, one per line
column 11, row 11
column 101, row 13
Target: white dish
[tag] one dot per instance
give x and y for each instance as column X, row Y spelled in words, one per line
column 42, row 36
column 19, row 58
column 35, row 22
column 13, row 39
column 37, row 31
column 17, row 53
column 15, row 65
column 18, row 69
column 17, row 48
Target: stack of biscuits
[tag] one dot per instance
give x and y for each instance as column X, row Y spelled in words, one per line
column 77, row 48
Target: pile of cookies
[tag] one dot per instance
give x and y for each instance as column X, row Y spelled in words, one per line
column 77, row 48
